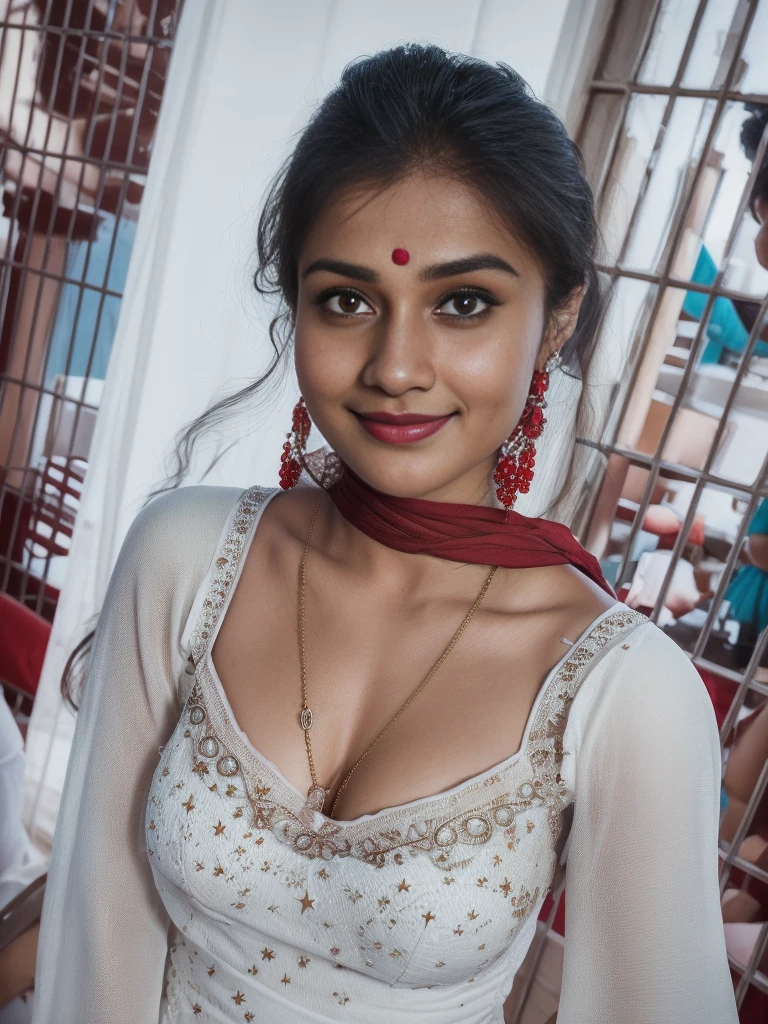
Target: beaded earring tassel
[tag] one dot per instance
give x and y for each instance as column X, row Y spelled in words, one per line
column 293, row 450
column 514, row 470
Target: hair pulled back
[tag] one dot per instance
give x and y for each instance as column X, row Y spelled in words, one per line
column 751, row 133
column 418, row 107
column 403, row 110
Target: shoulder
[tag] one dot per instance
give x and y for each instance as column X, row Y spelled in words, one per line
column 194, row 515
column 644, row 694
column 176, row 533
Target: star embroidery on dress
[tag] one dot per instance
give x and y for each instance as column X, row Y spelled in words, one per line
column 231, row 790
column 211, row 971
column 238, row 998
column 199, row 866
column 458, row 930
column 201, row 768
column 496, row 860
column 322, row 873
column 238, row 812
column 218, row 870
column 429, row 916
column 306, row 902
column 197, row 1008
column 152, row 825
column 249, row 1017
column 273, row 908
column 253, row 970
column 404, row 886
column 218, row 829
column 506, row 886
column 472, row 915
column 335, row 950
column 267, row 954
column 481, row 882
column 189, row 804
column 303, row 961
column 285, row 980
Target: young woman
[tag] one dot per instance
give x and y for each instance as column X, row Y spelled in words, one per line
column 337, row 743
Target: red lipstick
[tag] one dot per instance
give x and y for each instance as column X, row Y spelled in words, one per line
column 403, row 428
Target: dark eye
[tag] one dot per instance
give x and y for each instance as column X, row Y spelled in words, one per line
column 465, row 305
column 346, row 304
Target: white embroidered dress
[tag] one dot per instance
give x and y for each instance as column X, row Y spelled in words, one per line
column 202, row 887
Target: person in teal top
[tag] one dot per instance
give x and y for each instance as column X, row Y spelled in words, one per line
column 748, row 592
column 726, row 330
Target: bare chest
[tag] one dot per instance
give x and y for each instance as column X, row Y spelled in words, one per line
column 363, row 662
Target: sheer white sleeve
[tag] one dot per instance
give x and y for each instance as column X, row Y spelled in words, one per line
column 103, row 940
column 644, row 938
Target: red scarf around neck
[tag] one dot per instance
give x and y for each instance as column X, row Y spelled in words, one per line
column 460, row 533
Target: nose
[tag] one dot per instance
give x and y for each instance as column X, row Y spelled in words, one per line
column 401, row 356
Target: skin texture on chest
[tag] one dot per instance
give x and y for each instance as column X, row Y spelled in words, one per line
column 367, row 649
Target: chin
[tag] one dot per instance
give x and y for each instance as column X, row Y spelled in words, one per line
column 415, row 478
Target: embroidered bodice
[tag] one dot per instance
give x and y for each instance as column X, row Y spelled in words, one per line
column 269, row 910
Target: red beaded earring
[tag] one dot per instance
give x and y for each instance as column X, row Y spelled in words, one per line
column 292, row 458
column 514, row 470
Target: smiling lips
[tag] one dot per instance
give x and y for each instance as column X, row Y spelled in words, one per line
column 401, row 429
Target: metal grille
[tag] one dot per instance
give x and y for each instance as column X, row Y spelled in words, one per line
column 81, row 82
column 684, row 435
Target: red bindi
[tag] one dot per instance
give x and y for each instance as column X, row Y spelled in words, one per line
column 400, row 257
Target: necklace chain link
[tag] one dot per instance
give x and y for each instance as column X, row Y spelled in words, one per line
column 305, row 715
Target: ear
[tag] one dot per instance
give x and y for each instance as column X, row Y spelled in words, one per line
column 562, row 324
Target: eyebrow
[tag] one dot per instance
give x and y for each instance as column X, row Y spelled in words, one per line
column 483, row 261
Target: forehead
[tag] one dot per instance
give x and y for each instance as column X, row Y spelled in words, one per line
column 433, row 216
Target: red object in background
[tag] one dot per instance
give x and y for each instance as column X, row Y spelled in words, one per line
column 721, row 692
column 754, row 1009
column 558, row 925
column 23, row 642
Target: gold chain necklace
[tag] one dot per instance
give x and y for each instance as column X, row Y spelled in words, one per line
column 316, row 795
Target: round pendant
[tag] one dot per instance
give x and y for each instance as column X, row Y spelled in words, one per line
column 227, row 766
column 316, row 797
column 196, row 715
column 209, row 747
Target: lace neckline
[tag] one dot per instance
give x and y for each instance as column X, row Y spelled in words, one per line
column 229, row 562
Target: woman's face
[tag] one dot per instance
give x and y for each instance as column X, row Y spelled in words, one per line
column 454, row 334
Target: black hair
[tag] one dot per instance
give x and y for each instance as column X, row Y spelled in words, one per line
column 419, row 107
column 751, row 133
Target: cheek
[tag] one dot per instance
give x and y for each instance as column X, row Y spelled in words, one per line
column 494, row 373
column 322, row 361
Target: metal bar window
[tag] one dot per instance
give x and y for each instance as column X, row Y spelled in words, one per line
column 678, row 487
column 81, row 84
